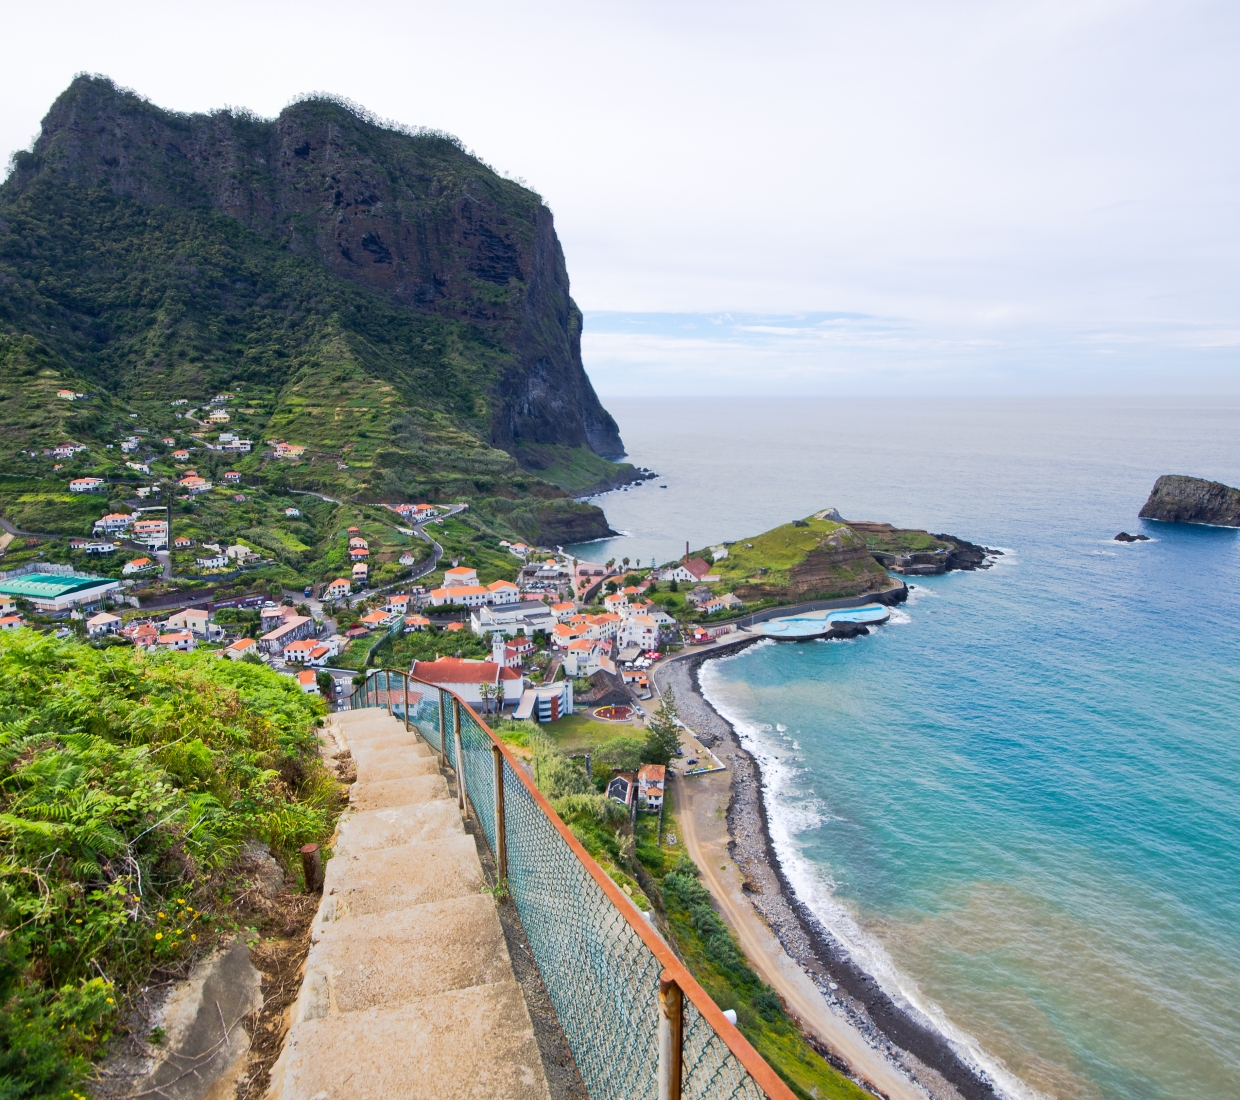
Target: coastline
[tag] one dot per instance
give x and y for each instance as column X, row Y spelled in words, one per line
column 920, row 1053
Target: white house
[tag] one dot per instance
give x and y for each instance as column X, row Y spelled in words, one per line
column 460, row 575
column 641, row 631
column 198, row 622
column 465, row 677
column 546, row 702
column 240, row 648
column 139, row 565
column 651, row 780
column 101, row 624
column 86, row 484
column 112, row 523
column 211, row 561
column 338, row 589
column 582, row 657
column 503, row 592
column 464, row 595
column 180, row 640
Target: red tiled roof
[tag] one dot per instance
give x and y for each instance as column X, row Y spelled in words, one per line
column 456, row 670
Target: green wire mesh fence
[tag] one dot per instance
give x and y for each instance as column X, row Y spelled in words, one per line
column 600, row 962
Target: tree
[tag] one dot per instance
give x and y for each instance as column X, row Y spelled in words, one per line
column 624, row 562
column 487, row 692
column 662, row 732
column 610, row 563
column 326, row 684
column 611, row 587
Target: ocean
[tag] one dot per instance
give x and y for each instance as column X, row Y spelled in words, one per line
column 1018, row 802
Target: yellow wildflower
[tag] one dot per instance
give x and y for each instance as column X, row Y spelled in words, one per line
column 159, row 935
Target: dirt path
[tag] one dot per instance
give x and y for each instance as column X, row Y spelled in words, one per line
column 701, row 804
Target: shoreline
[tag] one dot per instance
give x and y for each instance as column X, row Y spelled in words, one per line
column 922, row 1053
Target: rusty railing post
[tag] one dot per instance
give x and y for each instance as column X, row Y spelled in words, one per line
column 387, row 689
column 405, row 679
column 671, row 1037
column 443, row 731
column 460, row 757
column 501, row 837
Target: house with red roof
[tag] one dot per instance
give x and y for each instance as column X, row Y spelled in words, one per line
column 466, row 677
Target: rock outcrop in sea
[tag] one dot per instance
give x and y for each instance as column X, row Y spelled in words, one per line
column 1177, row 498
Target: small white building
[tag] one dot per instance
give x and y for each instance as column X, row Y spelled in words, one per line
column 546, row 702
column 103, row 623
column 651, row 781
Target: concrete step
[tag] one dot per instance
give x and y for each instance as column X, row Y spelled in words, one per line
column 400, row 740
column 388, row 764
column 388, row 879
column 392, row 958
column 464, row 1044
column 398, row 792
column 416, row 823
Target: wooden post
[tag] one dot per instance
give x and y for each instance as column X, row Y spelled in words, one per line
column 387, row 689
column 671, row 1037
column 312, row 867
column 405, row 677
column 460, row 757
column 501, row 836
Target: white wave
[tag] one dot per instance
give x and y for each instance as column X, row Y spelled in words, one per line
column 790, row 812
column 899, row 617
column 782, row 728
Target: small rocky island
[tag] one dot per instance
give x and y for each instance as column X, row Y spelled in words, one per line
column 1177, row 498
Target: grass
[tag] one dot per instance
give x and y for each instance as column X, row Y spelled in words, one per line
column 662, row 878
column 710, row 951
column 130, row 782
column 576, row 732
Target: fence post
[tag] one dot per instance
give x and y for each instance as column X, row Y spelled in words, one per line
column 405, row 677
column 387, row 689
column 460, row 757
column 443, row 731
column 501, row 836
column 671, row 1037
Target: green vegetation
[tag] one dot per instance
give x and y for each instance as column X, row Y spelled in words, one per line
column 661, row 878
column 136, row 304
column 129, row 784
column 714, row 958
column 812, row 558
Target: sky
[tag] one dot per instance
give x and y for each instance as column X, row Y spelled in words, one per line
column 954, row 197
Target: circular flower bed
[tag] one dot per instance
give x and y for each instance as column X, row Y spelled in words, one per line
column 613, row 714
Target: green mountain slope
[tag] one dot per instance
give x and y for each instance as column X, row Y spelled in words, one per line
column 382, row 299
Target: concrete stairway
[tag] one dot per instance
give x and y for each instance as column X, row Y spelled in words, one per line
column 408, row 989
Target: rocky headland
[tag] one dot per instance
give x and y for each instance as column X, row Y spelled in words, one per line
column 1177, row 498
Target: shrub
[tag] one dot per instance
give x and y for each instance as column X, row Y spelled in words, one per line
column 129, row 782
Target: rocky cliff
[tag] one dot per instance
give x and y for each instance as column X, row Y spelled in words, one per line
column 409, row 215
column 1177, row 498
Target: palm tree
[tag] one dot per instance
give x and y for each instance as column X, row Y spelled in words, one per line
column 624, row 562
column 487, row 692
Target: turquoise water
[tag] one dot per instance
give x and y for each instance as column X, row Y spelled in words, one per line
column 1019, row 801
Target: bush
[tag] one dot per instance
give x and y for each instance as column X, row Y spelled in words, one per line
column 130, row 782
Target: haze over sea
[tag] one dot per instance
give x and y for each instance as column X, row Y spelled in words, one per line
column 1020, row 801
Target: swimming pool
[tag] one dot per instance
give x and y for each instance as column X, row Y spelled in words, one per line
column 816, row 623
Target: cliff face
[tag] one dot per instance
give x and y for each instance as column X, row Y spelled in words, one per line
column 409, row 216
column 1176, row 498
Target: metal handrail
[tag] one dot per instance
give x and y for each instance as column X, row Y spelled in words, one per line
column 676, row 984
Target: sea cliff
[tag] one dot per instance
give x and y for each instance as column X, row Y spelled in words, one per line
column 1177, row 498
